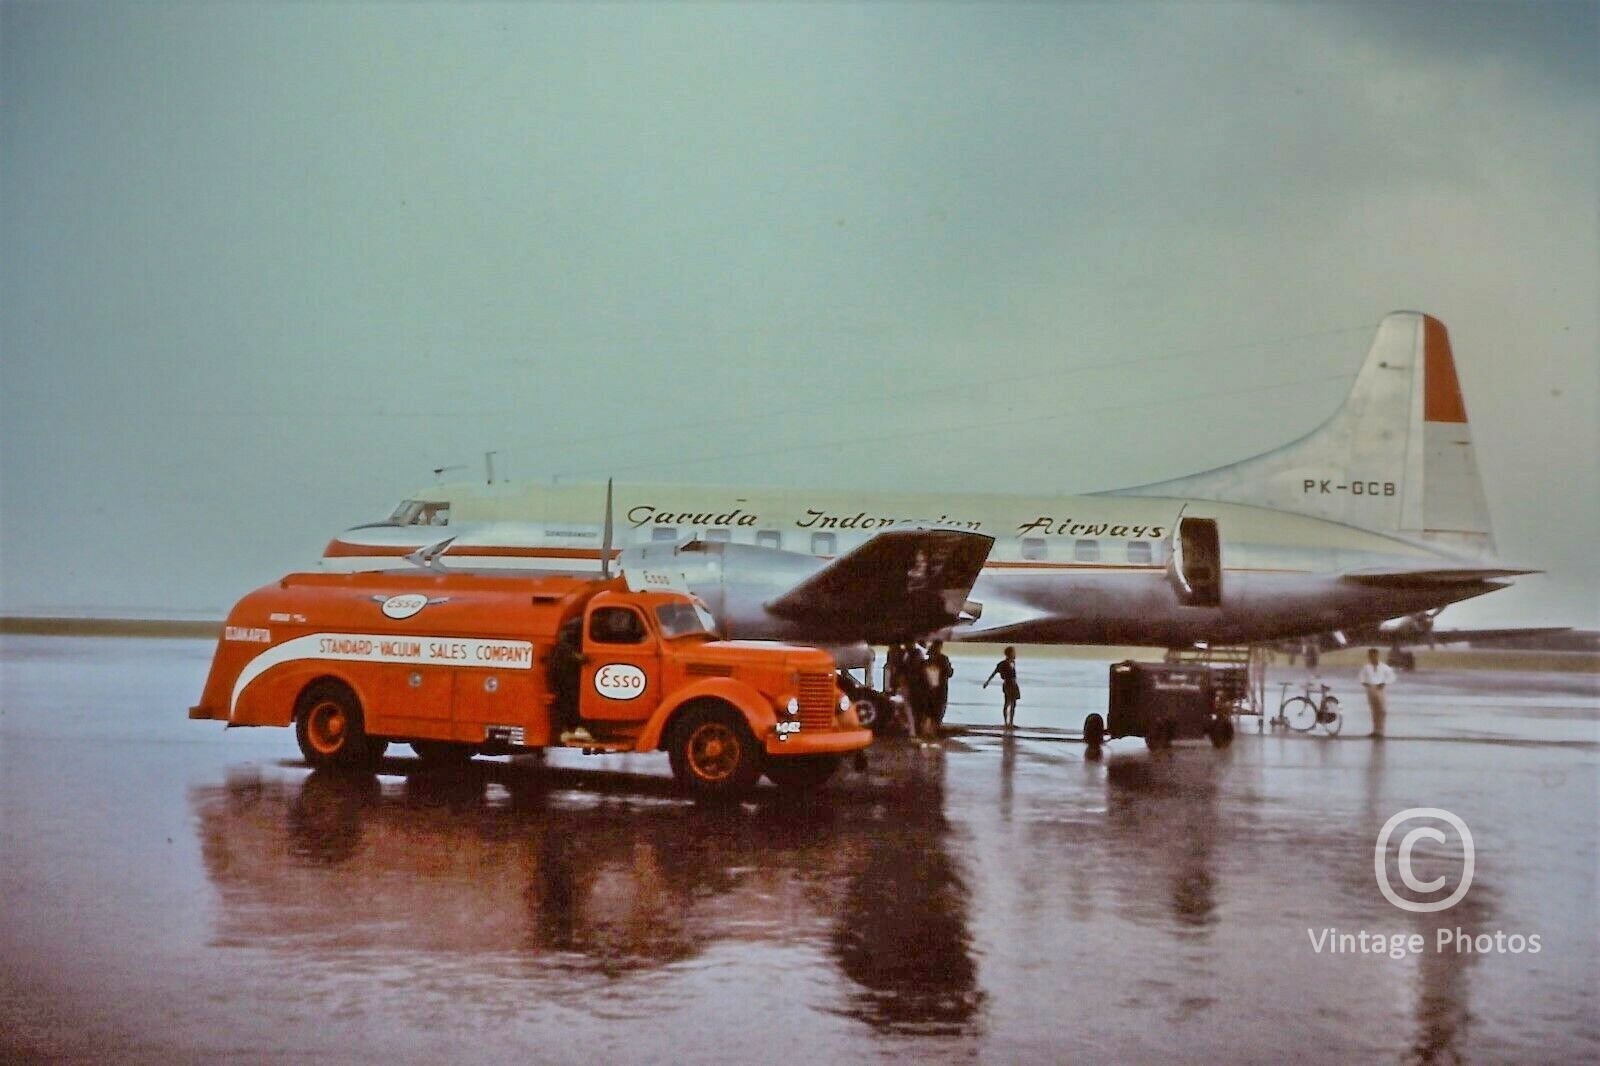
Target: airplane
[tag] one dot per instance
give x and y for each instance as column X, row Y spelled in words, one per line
column 1401, row 634
column 1376, row 514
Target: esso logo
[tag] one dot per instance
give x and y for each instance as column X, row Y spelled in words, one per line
column 619, row 681
column 405, row 605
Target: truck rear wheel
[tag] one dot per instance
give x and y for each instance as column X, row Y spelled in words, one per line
column 801, row 773
column 713, row 752
column 330, row 729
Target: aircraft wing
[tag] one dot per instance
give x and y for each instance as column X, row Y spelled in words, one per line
column 1456, row 636
column 1422, row 578
column 1333, row 641
column 900, row 584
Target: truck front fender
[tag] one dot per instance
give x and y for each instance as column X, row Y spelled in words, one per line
column 755, row 707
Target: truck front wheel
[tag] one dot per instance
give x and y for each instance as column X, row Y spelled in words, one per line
column 801, row 773
column 330, row 729
column 713, row 752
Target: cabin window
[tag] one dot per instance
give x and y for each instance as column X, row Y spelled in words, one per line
column 1034, row 548
column 1139, row 553
column 824, row 543
column 719, row 533
column 1086, row 551
column 616, row 625
column 769, row 538
column 664, row 533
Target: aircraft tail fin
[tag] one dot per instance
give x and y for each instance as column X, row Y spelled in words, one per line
column 1397, row 457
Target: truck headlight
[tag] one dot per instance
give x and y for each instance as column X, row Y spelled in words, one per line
column 844, row 703
column 793, row 706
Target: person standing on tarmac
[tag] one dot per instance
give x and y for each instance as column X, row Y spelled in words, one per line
column 939, row 672
column 564, row 666
column 1375, row 677
column 1007, row 669
column 894, row 666
column 916, row 687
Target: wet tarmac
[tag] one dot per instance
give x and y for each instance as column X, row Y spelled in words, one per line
column 173, row 892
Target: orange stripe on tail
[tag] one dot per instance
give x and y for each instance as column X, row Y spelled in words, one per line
column 1442, row 399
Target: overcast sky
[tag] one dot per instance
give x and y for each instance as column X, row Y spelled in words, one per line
column 262, row 268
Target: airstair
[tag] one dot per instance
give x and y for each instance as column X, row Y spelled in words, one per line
column 1240, row 674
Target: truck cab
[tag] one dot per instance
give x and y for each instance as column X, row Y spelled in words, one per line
column 458, row 664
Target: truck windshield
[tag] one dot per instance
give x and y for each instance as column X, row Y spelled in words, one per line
column 682, row 620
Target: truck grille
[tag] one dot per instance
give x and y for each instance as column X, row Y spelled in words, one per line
column 818, row 701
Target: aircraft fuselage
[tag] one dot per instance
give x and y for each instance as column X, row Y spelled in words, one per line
column 1073, row 570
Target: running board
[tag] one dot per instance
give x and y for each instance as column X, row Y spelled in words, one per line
column 599, row 747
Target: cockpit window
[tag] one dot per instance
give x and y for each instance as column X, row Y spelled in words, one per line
column 682, row 620
column 421, row 513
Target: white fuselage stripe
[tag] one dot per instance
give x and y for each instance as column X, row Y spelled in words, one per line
column 387, row 648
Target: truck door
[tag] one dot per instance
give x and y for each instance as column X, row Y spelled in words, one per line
column 622, row 670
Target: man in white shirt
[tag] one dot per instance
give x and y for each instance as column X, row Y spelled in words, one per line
column 1375, row 678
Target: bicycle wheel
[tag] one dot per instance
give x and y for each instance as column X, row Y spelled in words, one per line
column 1301, row 713
column 1333, row 721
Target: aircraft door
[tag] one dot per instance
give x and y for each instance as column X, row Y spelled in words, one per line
column 622, row 669
column 1194, row 561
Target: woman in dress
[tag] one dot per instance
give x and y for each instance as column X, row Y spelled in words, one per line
column 1007, row 670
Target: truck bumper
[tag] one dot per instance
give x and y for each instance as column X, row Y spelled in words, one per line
column 831, row 743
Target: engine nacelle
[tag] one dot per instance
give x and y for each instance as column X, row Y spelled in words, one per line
column 706, row 569
column 901, row 584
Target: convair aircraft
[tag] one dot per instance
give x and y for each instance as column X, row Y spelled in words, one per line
column 1377, row 513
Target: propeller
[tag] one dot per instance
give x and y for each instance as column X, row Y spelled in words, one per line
column 605, row 540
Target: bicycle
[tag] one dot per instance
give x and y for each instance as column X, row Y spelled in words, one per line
column 1304, row 712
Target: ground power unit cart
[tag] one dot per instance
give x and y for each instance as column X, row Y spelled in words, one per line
column 1163, row 702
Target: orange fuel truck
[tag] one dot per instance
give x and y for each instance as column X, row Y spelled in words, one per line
column 455, row 664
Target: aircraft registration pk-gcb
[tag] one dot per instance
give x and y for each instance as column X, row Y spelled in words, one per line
column 1377, row 513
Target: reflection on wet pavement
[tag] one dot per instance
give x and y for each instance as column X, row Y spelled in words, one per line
column 503, row 860
column 178, row 892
